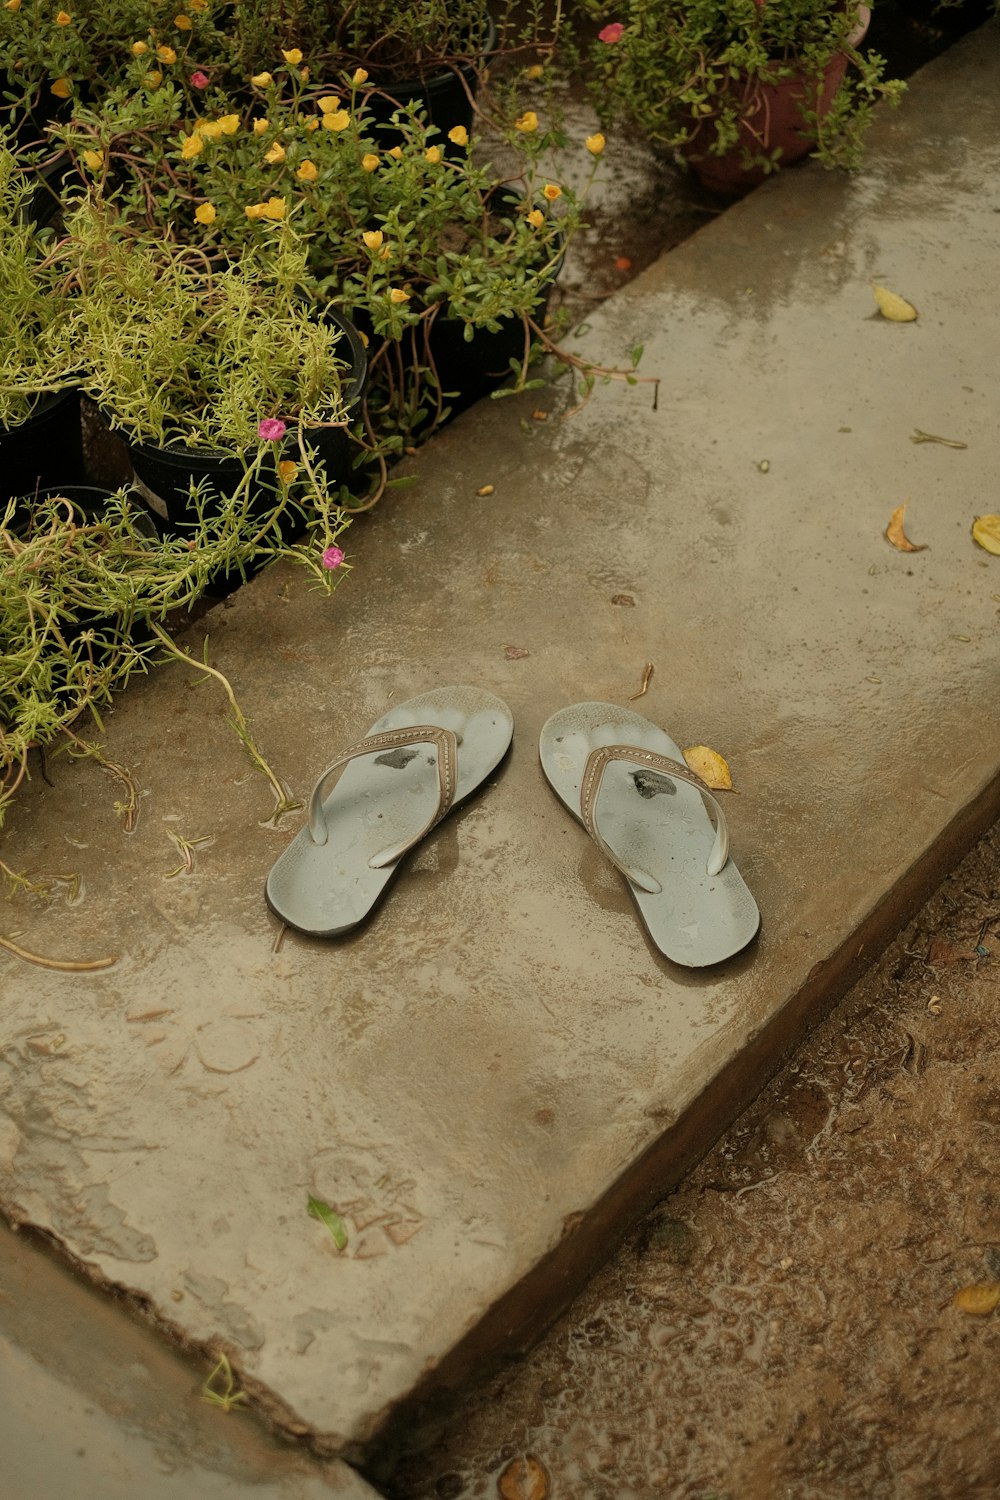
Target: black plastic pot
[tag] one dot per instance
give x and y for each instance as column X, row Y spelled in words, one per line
column 446, row 96
column 164, row 475
column 469, row 369
column 44, row 451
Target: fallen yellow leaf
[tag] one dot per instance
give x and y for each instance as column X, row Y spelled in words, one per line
column 897, row 536
column 892, row 306
column 524, row 1479
column 709, row 765
column 986, row 531
column 979, row 1299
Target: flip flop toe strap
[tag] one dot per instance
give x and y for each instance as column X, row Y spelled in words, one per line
column 445, row 742
column 593, row 775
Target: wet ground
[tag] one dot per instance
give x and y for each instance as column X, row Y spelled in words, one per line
column 784, row 1325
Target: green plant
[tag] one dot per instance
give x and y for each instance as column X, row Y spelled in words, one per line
column 178, row 351
column 83, row 601
column 681, row 70
column 51, row 54
column 397, row 39
column 397, row 236
column 33, row 305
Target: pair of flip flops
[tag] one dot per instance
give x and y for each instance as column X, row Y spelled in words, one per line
column 622, row 777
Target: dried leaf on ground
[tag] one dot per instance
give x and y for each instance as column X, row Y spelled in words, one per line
column 986, row 531
column 516, row 653
column 897, row 536
column 892, row 306
column 943, row 951
column 710, row 766
column 979, row 1299
column 524, row 1479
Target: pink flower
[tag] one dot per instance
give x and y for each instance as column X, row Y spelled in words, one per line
column 333, row 557
column 200, row 80
column 272, row 429
column 611, row 33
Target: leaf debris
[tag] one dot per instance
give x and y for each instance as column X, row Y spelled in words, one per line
column 895, row 534
column 892, row 306
column 929, row 437
column 710, row 766
column 326, row 1215
column 647, row 673
column 986, row 531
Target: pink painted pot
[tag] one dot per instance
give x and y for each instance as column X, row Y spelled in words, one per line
column 772, row 118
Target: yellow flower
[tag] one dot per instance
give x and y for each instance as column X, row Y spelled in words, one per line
column 535, row 72
column 338, row 120
column 396, row 151
column 198, row 5
column 260, row 125
column 275, row 154
column 64, row 19
column 536, row 218
column 229, row 124
column 328, row 103
column 397, row 294
column 153, row 79
column 595, row 144
column 304, row 74
column 312, row 124
column 13, row 5
column 527, row 122
column 433, row 155
column 139, row 48
column 287, row 470
column 458, row 135
column 274, row 208
column 293, row 56
column 360, row 77
column 94, row 160
column 373, row 238
column 210, row 129
column 166, row 54
column 183, row 23
column 262, row 80
column 205, row 213
column 61, row 88
column 370, row 162
column 308, row 171
column 191, row 145
column 551, row 191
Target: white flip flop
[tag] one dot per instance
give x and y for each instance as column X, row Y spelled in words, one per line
column 420, row 761
column 628, row 784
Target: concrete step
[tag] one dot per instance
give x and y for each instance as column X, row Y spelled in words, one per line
column 498, row 1073
column 97, row 1406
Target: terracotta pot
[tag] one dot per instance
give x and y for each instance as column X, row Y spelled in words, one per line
column 773, row 117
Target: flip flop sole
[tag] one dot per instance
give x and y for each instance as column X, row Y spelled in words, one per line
column 657, row 825
column 380, row 800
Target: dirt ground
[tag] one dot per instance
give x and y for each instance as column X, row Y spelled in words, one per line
column 784, row 1325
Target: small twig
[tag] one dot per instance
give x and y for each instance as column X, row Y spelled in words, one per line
column 186, row 848
column 647, row 673
column 928, row 437
column 283, row 802
column 66, row 966
column 279, row 938
column 128, row 810
column 229, row 1396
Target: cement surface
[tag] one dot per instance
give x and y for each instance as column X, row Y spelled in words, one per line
column 95, row 1407
column 498, row 1072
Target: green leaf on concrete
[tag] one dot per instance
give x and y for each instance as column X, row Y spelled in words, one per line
column 325, row 1214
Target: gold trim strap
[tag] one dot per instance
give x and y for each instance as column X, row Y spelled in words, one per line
column 597, row 763
column 445, row 741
